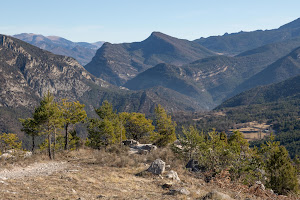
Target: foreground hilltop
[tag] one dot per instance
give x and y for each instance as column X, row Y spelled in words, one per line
column 91, row 174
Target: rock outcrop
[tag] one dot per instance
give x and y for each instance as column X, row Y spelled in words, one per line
column 28, row 72
column 157, row 167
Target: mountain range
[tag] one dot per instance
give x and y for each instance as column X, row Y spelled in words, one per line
column 284, row 91
column 83, row 52
column 28, row 72
column 117, row 63
column 180, row 75
column 235, row 43
column 217, row 78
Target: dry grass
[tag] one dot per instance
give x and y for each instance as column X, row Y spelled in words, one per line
column 90, row 174
column 93, row 174
column 253, row 130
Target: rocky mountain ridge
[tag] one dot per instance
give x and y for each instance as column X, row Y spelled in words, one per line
column 283, row 91
column 214, row 79
column 117, row 63
column 284, row 68
column 38, row 71
column 28, row 72
column 235, row 43
column 83, row 52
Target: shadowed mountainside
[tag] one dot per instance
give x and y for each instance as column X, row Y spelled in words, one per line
column 117, row 63
column 235, row 43
column 216, row 78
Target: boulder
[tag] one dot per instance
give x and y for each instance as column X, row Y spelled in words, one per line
column 261, row 186
column 157, row 167
column 27, row 154
column 179, row 191
column 167, row 185
column 173, row 175
column 216, row 195
column 6, row 155
column 148, row 147
column 130, row 142
column 193, row 165
column 258, row 189
column 140, row 148
column 11, row 151
column 143, row 152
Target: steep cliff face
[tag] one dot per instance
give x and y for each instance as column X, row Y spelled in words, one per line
column 27, row 72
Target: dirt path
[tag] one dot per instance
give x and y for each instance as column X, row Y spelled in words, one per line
column 36, row 169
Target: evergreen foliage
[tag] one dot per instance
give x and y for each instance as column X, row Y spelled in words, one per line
column 216, row 154
column 9, row 141
column 72, row 113
column 107, row 130
column 49, row 117
column 31, row 128
column 164, row 126
column 282, row 175
column 137, row 126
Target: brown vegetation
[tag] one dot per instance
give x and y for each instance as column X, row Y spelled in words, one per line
column 111, row 174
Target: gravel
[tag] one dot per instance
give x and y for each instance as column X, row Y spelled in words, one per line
column 37, row 169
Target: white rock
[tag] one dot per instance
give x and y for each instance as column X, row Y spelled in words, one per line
column 173, row 175
column 157, row 167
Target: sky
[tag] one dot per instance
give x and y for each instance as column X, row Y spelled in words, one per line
column 118, row 21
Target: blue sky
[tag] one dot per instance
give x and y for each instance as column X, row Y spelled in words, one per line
column 119, row 21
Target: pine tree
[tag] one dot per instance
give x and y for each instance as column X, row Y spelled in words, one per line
column 101, row 133
column 31, row 128
column 238, row 143
column 9, row 141
column 106, row 111
column 72, row 113
column 282, row 175
column 137, row 126
column 48, row 117
column 106, row 130
column 191, row 142
column 165, row 127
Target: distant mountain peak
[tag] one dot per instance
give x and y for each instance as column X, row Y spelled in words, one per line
column 158, row 34
column 81, row 51
column 118, row 63
column 237, row 43
column 162, row 36
column 292, row 24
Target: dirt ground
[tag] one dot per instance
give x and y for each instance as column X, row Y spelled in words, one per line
column 81, row 176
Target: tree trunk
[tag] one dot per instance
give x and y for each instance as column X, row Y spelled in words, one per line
column 121, row 125
column 54, row 143
column 33, row 143
column 49, row 146
column 66, row 137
